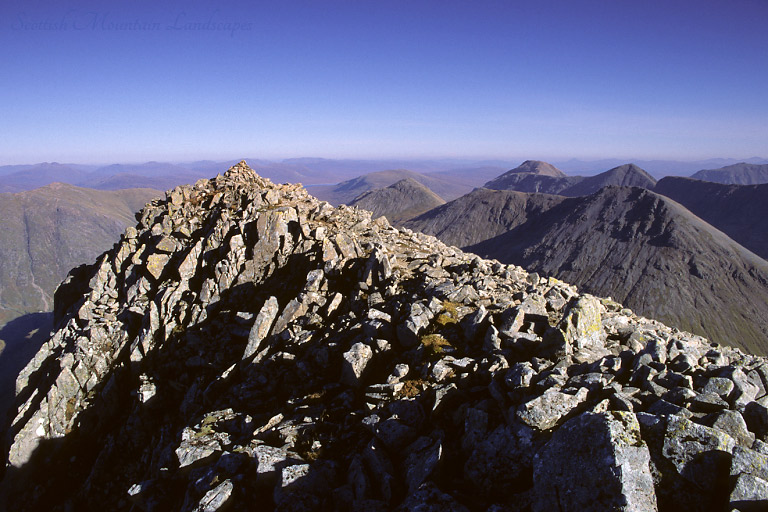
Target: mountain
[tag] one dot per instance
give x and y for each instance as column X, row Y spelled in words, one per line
column 482, row 214
column 736, row 174
column 534, row 176
column 628, row 175
column 650, row 253
column 28, row 177
column 246, row 345
column 398, row 202
column 656, row 168
column 49, row 230
column 737, row 210
column 346, row 192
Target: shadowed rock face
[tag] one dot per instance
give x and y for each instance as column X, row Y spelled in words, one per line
column 737, row 210
column 737, row 174
column 398, row 202
column 246, row 343
column 482, row 214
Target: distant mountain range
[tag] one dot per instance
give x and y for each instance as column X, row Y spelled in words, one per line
column 446, row 186
column 657, row 168
column 313, row 171
column 737, row 174
column 639, row 247
column 537, row 176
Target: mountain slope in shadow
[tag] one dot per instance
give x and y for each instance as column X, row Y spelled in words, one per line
column 737, row 210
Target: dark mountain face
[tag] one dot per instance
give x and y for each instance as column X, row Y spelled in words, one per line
column 740, row 211
column 482, row 214
column 246, row 346
column 398, row 202
column 737, row 174
column 651, row 254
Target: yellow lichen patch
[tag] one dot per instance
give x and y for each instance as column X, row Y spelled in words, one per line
column 208, row 420
column 450, row 308
column 204, row 431
column 445, row 319
column 435, row 342
column 411, row 388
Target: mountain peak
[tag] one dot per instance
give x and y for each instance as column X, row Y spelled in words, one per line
column 400, row 201
column 540, row 168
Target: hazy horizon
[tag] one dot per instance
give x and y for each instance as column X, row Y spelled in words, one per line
column 184, row 81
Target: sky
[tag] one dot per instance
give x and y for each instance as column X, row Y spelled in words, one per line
column 110, row 81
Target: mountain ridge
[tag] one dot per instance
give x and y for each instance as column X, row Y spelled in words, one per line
column 736, row 174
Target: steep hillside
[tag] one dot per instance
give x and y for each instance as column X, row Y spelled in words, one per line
column 481, row 214
column 48, row 231
column 652, row 254
column 246, row 346
column 628, row 175
column 740, row 211
column 345, row 192
column 398, row 202
column 737, row 174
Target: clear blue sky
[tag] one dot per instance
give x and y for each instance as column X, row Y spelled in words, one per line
column 108, row 81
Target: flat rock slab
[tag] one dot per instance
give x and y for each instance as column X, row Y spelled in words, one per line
column 607, row 466
column 543, row 412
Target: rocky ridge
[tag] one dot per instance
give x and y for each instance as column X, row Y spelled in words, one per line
column 248, row 344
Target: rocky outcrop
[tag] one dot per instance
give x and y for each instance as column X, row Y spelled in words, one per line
column 285, row 353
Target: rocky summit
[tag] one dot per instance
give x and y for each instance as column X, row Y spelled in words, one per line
column 248, row 347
